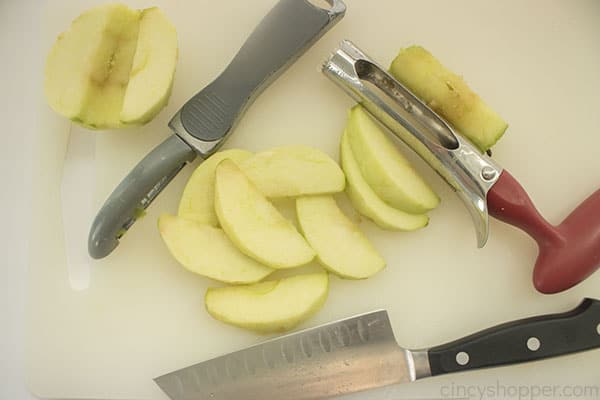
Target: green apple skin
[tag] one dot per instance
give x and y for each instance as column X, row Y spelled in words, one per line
column 270, row 306
column 385, row 169
column 366, row 201
column 112, row 68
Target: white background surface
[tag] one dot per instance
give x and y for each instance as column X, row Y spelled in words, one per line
column 19, row 23
column 19, row 33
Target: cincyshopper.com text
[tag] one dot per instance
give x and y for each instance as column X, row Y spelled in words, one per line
column 520, row 392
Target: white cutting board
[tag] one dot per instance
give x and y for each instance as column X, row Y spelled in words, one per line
column 535, row 62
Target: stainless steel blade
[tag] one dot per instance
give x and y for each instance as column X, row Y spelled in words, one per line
column 454, row 158
column 346, row 356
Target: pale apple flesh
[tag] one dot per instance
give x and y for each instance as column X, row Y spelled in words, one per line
column 291, row 171
column 110, row 69
column 340, row 245
column 449, row 95
column 385, row 169
column 271, row 306
column 80, row 63
column 152, row 73
column 206, row 250
column 366, row 201
column 89, row 68
column 198, row 199
column 253, row 224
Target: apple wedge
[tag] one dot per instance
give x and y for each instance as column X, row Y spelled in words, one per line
column 271, row 306
column 366, row 201
column 206, row 250
column 253, row 224
column 153, row 70
column 384, row 168
column 198, row 199
column 340, row 245
column 113, row 67
column 291, row 171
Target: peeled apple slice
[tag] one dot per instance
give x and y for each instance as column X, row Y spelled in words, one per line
column 198, row 199
column 291, row 171
column 385, row 169
column 340, row 245
column 448, row 95
column 206, row 250
column 253, row 224
column 271, row 306
column 366, row 201
column 113, row 67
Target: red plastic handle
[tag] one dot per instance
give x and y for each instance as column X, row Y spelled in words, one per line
column 568, row 253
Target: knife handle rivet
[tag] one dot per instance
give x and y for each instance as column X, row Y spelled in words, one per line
column 488, row 173
column 533, row 344
column 598, row 329
column 462, row 358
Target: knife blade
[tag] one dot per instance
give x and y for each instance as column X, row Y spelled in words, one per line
column 361, row 353
column 349, row 355
column 203, row 123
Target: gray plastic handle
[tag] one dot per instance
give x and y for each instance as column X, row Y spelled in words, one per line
column 283, row 35
column 204, row 122
column 129, row 200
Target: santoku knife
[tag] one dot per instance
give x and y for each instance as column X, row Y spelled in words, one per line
column 205, row 121
column 361, row 353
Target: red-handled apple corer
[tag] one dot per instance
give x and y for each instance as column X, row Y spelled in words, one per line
column 568, row 253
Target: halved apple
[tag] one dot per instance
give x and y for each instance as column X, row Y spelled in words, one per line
column 366, row 201
column 385, row 169
column 271, row 306
column 291, row 171
column 198, row 199
column 253, row 224
column 340, row 245
column 207, row 251
column 113, row 67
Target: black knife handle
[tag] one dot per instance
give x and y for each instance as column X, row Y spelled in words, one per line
column 523, row 340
